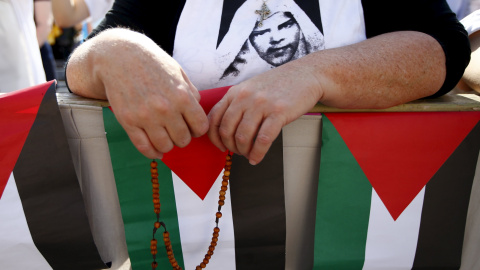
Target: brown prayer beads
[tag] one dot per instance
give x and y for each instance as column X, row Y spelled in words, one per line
column 166, row 234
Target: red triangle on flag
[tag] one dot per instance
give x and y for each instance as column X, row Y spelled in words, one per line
column 18, row 110
column 199, row 163
column 400, row 152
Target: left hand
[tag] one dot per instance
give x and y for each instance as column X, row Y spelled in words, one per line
column 251, row 114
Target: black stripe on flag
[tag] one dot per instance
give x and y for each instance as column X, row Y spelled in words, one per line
column 51, row 196
column 445, row 207
column 258, row 210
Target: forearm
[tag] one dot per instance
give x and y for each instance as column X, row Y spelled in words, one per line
column 113, row 57
column 43, row 20
column 380, row 72
column 69, row 12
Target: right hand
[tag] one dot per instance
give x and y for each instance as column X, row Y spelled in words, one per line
column 150, row 94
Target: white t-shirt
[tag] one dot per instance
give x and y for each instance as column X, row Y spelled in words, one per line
column 98, row 8
column 20, row 60
column 460, row 7
column 472, row 22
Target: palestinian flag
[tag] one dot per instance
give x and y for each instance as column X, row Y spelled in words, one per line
column 43, row 222
column 394, row 189
column 252, row 226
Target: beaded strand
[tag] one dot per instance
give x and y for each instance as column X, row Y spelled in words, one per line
column 166, row 234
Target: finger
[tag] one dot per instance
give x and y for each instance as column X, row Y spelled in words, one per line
column 196, row 119
column 246, row 131
column 268, row 132
column 178, row 130
column 140, row 140
column 214, row 119
column 193, row 90
column 228, row 127
column 159, row 138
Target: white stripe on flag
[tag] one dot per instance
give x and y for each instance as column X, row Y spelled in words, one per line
column 17, row 249
column 196, row 219
column 389, row 242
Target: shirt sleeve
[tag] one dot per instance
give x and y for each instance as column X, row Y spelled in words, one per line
column 432, row 17
column 151, row 18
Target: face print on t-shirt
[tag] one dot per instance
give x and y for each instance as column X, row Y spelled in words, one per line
column 221, row 43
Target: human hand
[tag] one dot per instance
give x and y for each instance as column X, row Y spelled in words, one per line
column 156, row 104
column 251, row 115
column 150, row 94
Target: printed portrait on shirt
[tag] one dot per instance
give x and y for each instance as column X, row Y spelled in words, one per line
column 285, row 34
column 228, row 44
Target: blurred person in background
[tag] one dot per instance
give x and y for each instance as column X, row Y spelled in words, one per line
column 44, row 21
column 68, row 13
column 20, row 60
column 471, row 78
column 460, row 7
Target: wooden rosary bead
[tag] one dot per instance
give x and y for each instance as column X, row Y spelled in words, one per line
column 166, row 234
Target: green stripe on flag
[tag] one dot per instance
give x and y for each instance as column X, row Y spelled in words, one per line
column 343, row 206
column 132, row 177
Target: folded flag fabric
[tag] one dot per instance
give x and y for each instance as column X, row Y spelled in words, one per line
column 394, row 189
column 43, row 222
column 252, row 227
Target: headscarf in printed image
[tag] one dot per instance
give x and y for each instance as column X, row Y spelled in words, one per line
column 249, row 48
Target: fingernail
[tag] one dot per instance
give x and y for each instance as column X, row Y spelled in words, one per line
column 160, row 156
column 253, row 162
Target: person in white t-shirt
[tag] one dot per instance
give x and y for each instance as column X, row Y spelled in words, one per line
column 20, row 60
